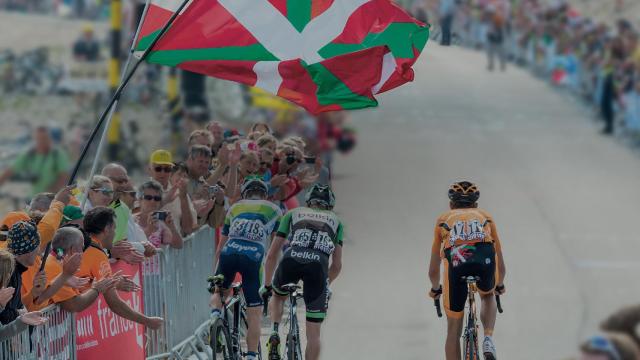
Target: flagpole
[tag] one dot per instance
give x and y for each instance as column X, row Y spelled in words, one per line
column 108, row 111
column 100, row 148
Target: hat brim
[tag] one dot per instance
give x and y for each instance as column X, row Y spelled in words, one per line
column 162, row 163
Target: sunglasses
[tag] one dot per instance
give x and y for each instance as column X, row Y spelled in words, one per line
column 166, row 169
column 151, row 197
column 103, row 191
column 603, row 345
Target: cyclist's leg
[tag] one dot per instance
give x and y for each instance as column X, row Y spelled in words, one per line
column 485, row 256
column 455, row 297
column 316, row 297
column 312, row 351
column 454, row 332
column 286, row 273
column 250, row 269
column 227, row 267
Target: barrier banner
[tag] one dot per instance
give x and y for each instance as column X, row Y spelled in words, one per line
column 101, row 334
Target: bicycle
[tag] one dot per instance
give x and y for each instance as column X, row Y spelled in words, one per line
column 470, row 332
column 224, row 332
column 293, row 347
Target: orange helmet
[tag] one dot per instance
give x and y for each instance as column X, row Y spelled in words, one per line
column 464, row 192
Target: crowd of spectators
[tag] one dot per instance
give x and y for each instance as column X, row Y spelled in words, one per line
column 597, row 61
column 112, row 217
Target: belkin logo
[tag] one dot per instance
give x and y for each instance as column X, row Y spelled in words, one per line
column 305, row 255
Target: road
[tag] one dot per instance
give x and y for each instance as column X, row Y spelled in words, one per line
column 563, row 197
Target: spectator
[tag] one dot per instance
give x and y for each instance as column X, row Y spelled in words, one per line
column 158, row 225
column 217, row 132
column 7, row 222
column 37, row 289
column 72, row 215
column 7, row 265
column 39, row 205
column 99, row 223
column 447, row 12
column 23, row 244
column 626, row 321
column 198, row 163
column 86, row 48
column 127, row 195
column 261, row 127
column 161, row 167
column 610, row 346
column 69, row 242
column 100, row 192
column 175, row 194
column 126, row 227
column 200, row 137
column 268, row 141
column 45, row 166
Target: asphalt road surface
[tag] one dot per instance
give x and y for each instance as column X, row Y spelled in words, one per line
column 563, row 197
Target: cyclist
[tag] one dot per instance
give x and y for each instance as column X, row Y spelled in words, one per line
column 466, row 238
column 315, row 235
column 247, row 228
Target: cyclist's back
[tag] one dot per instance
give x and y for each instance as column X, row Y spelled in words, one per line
column 313, row 235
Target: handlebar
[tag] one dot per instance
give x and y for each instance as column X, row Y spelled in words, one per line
column 436, row 303
column 265, row 305
column 498, row 303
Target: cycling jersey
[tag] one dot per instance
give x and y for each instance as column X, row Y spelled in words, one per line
column 248, row 224
column 252, row 220
column 313, row 236
column 460, row 227
column 468, row 241
column 312, row 229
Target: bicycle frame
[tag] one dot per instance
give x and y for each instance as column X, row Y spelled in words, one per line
column 232, row 310
column 470, row 334
column 294, row 327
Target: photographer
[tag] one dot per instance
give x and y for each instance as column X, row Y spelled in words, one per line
column 158, row 225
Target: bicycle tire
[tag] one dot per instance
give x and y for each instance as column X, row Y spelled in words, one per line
column 471, row 347
column 292, row 353
column 221, row 349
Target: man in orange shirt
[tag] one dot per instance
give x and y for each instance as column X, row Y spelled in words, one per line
column 100, row 224
column 67, row 245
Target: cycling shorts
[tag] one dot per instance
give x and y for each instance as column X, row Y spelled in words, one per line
column 467, row 260
column 312, row 267
column 244, row 257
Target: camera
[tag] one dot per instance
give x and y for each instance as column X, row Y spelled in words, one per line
column 160, row 215
column 291, row 159
column 213, row 189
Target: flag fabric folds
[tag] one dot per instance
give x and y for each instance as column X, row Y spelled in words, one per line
column 323, row 55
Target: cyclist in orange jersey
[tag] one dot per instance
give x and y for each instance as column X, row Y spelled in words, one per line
column 466, row 238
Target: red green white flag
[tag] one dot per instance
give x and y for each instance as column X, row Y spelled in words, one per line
column 323, row 55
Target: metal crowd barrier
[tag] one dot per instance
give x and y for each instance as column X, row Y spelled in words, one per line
column 54, row 340
column 174, row 288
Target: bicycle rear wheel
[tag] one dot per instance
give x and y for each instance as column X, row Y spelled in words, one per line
column 293, row 348
column 470, row 345
column 220, row 341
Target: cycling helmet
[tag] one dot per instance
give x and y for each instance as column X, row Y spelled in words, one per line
column 253, row 184
column 321, row 194
column 464, row 192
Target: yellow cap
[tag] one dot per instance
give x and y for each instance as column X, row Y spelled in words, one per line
column 162, row 157
column 87, row 27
